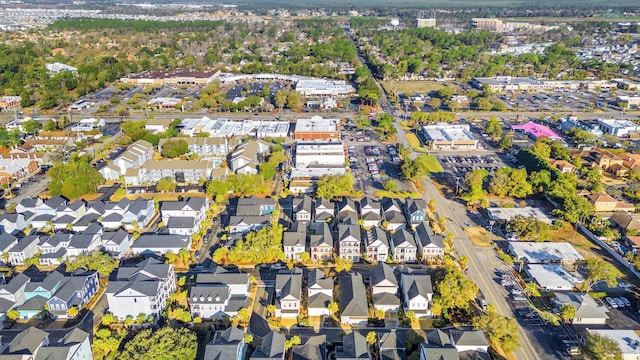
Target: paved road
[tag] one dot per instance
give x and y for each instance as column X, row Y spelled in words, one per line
column 258, row 324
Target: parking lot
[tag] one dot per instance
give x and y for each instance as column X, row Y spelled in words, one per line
column 460, row 165
column 565, row 100
column 254, row 88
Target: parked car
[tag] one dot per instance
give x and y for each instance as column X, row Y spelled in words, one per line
column 611, row 302
column 619, row 302
column 519, row 298
column 625, row 301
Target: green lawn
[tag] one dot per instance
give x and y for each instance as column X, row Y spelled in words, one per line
column 433, row 163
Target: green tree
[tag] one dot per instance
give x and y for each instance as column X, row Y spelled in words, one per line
column 75, row 178
column 280, row 99
column 390, row 185
column 434, row 103
column 108, row 319
column 493, row 127
column 50, row 125
column 529, row 228
column 385, row 125
column 371, row 338
column 474, row 181
column 166, row 184
column 333, row 308
column 598, row 270
column 446, row 92
column 247, row 339
column 483, row 104
column 174, row 148
column 96, row 260
column 600, row 347
column 271, row 309
column 31, row 126
column 343, row 265
column 261, row 246
column 506, row 142
column 293, row 341
column 567, row 312
column 454, row 289
column 294, row 100
column 12, row 314
column 330, row 186
column 163, row 344
column 502, row 332
column 73, row 311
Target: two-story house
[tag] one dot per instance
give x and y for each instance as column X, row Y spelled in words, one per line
column 54, row 249
column 12, row 223
column 347, row 212
column 83, row 244
column 430, row 244
column 302, row 208
column 354, row 308
column 311, row 347
column 288, row 293
column 417, row 293
column 13, row 293
column 416, row 211
column 319, row 293
column 239, row 289
column 27, row 206
column 133, row 158
column 321, row 243
column 209, row 302
column 324, row 209
column 294, row 242
column 272, row 347
column 246, row 158
column 392, row 214
column 141, row 289
column 403, row 247
column 26, row 248
column 195, row 207
column 370, row 212
column 160, row 244
column 228, row 344
column 384, row 288
column 26, row 345
column 349, row 242
column 76, row 291
column 377, row 246
column 117, row 243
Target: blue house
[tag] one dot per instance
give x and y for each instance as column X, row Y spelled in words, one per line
column 416, row 211
column 45, row 288
column 77, row 291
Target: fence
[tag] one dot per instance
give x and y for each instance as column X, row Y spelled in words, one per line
column 611, row 251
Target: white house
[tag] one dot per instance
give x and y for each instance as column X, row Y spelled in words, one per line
column 288, row 293
column 384, row 288
column 194, row 207
column 117, row 243
column 377, row 247
column 160, row 244
column 141, row 289
column 294, row 242
column 370, row 212
column 319, row 293
column 349, row 240
column 12, row 223
column 26, row 248
column 403, row 247
column 354, row 308
column 417, row 293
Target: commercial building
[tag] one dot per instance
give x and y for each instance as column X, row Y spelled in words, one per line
column 628, row 341
column 534, row 131
column 317, row 129
column 314, row 154
column 9, row 102
column 553, row 277
column 443, row 136
column 619, row 128
column 160, row 78
column 163, row 103
column 509, row 83
column 626, row 84
column 506, row 214
column 423, row 23
column 225, row 128
column 629, row 101
column 544, row 252
column 56, row 67
column 324, row 88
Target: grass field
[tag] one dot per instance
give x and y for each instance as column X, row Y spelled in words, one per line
column 567, row 233
column 415, row 143
column 433, row 164
column 417, row 86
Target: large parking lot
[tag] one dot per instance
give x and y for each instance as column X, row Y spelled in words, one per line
column 565, row 100
column 254, row 88
column 459, row 165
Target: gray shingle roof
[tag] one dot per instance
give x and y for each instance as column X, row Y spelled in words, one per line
column 418, row 284
column 87, row 219
column 302, row 203
column 25, row 242
column 385, row 299
column 316, row 277
column 272, row 347
column 353, row 296
column 354, row 346
column 6, row 240
column 345, row 232
column 156, row 241
column 176, row 222
column 224, row 345
column 403, row 238
column 382, row 272
column 468, row 338
column 426, row 236
column 116, row 237
column 294, row 238
column 26, row 342
column 209, row 294
column 319, row 301
column 188, row 204
column 15, row 283
column 311, row 348
column 289, row 283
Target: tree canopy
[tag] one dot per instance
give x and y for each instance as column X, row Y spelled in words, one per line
column 97, row 260
column 598, row 270
column 529, row 228
column 600, row 347
column 163, row 344
column 261, row 246
column 75, row 178
column 174, row 148
column 454, row 290
column 501, row 331
column 239, row 184
column 330, row 186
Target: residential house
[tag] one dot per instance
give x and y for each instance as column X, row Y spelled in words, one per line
column 184, row 171
column 354, row 308
column 319, row 293
column 302, row 207
column 13, row 293
column 325, row 210
column 272, row 347
column 183, row 226
column 384, row 288
column 246, row 158
column 16, row 168
column 37, row 292
column 54, row 249
column 26, row 344
column 377, row 246
column 139, row 214
column 226, row 345
column 417, row 293
column 391, row 346
column 42, row 221
column 354, row 347
column 82, row 224
column 370, row 212
column 158, row 125
column 246, row 223
column 26, row 248
column 626, row 221
column 160, row 244
column 117, row 243
column 7, row 241
column 209, row 302
column 416, row 211
column 430, row 244
column 455, row 344
column 564, row 166
column 12, row 223
column 606, row 203
column 28, row 205
column 295, row 242
column 133, row 158
column 256, row 206
column 349, row 241
column 207, row 147
column 76, row 291
column 392, row 214
column 347, row 212
column 321, row 243
column 195, row 207
column 239, row 288
column 75, row 209
column 588, row 312
column 403, row 247
column 288, row 293
column 310, row 348
column 627, row 341
column 141, row 289
column 83, row 244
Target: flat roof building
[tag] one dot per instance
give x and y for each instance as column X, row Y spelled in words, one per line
column 160, row 78
column 534, row 131
column 628, row 341
column 316, row 154
column 224, row 128
column 317, row 128
column 619, row 128
column 423, row 23
column 506, row 214
column 324, row 88
column 544, row 252
column 553, row 277
column 509, row 83
column 449, row 136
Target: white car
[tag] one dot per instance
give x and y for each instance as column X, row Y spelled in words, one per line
column 611, row 302
column 619, row 302
column 624, row 285
column 625, row 301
